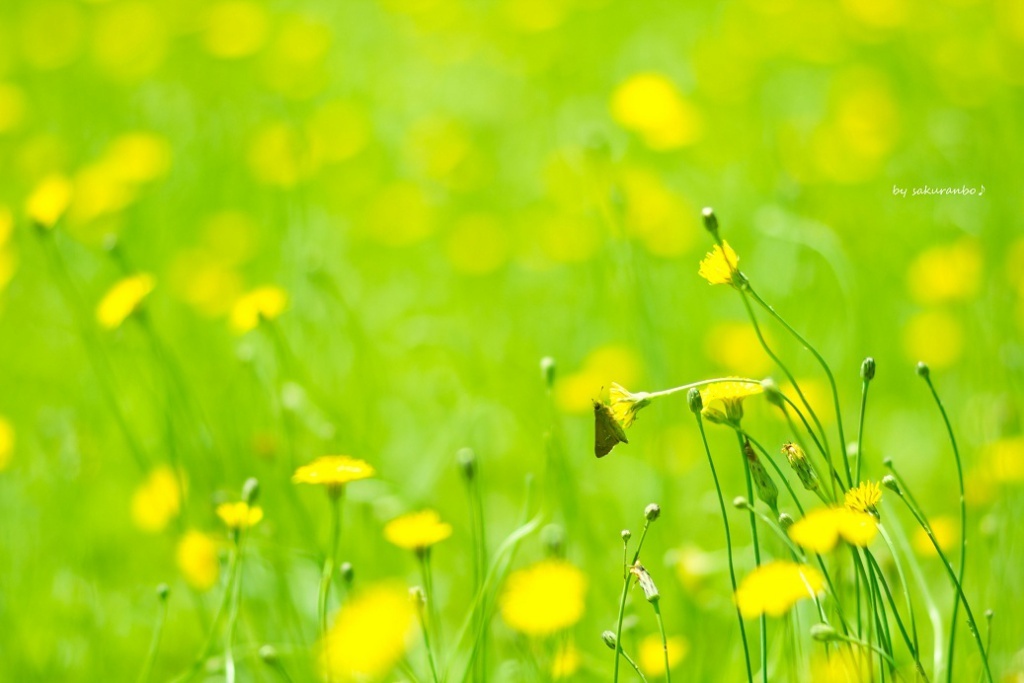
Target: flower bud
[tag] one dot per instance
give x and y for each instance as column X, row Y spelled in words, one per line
column 710, row 221
column 922, row 370
column 740, row 503
column 418, row 597
column 268, row 653
column 609, row 639
column 867, row 369
column 772, row 393
column 467, row 462
column 553, row 538
column 163, row 591
column 763, row 483
column 250, row 490
column 643, row 578
column 347, row 572
column 785, row 521
column 547, row 371
column 693, row 397
column 626, row 535
column 798, row 461
column 652, row 512
column 824, row 633
column 889, row 482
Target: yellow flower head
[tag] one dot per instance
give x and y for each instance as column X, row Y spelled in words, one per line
column 651, row 656
column 6, row 443
column 123, row 299
column 239, row 515
column 720, row 265
column 625, row 405
column 774, row 588
column 333, row 470
column 544, row 598
column 49, row 200
column 723, row 401
column 864, row 498
column 157, row 500
column 370, row 634
column 820, row 530
column 197, row 559
column 262, row 303
column 417, row 530
column 944, row 528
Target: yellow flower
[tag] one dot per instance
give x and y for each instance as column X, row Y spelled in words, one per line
column 417, row 530
column 944, row 529
column 239, row 515
column 157, row 500
column 1005, row 460
column 774, row 588
column 650, row 105
column 262, row 303
column 846, row 664
column 821, row 529
column 651, row 656
column 49, row 200
column 947, row 272
column 333, row 471
column 566, row 661
column 544, row 598
column 197, row 560
column 723, row 401
column 864, row 498
column 369, row 636
column 123, row 299
column 626, row 405
column 720, row 265
column 6, row 443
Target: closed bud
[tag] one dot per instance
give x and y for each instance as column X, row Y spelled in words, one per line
column 785, row 521
column 467, row 462
column 268, row 653
column 889, row 482
column 740, row 503
column 347, row 572
column 250, row 490
column 867, row 369
column 553, row 538
column 693, row 397
column 626, row 535
column 163, row 591
column 763, row 483
column 547, row 371
column 652, row 512
column 418, row 597
column 646, row 582
column 710, row 221
column 922, row 370
column 798, row 461
column 772, row 392
column 609, row 639
column 824, row 633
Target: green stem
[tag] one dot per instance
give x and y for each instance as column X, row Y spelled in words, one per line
column 963, row 524
column 625, row 590
column 728, row 545
column 904, row 584
column 664, row 641
column 697, row 385
column 426, row 642
column 757, row 559
column 911, row 644
column 154, row 643
column 335, row 495
column 860, row 428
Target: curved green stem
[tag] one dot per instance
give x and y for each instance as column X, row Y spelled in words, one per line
column 763, row 622
column 335, row 495
column 664, row 641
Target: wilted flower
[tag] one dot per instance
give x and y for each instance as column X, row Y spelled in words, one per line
column 766, row 489
column 417, row 530
column 821, row 529
column 543, row 598
column 645, row 581
column 625, row 404
column 774, row 588
column 720, row 265
column 123, row 299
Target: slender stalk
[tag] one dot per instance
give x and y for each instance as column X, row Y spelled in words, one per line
column 963, row 522
column 763, row 622
column 860, row 429
column 956, row 583
column 433, row 616
column 904, row 584
column 154, row 643
column 335, row 494
column 625, row 589
column 424, row 628
column 629, row 660
column 664, row 640
column 728, row 544
column 697, row 385
column 911, row 644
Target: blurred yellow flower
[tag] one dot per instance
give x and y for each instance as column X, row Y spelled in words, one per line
column 369, row 635
column 651, row 654
column 719, row 265
column 935, row 337
column 7, row 440
column 138, row 157
column 845, row 664
column 333, row 470
column 239, row 515
column 723, row 401
column 13, row 106
column 774, row 588
column 650, row 105
column 945, row 530
column 417, row 530
column 625, row 405
column 544, row 598
column 262, row 303
column 864, row 498
column 575, row 391
column 735, row 347
column 49, row 200
column 337, row 131
column 235, row 28
column 123, row 299
column 566, row 661
column 1004, row 460
column 820, row 530
column 157, row 500
column 196, row 556
column 693, row 567
column 947, row 272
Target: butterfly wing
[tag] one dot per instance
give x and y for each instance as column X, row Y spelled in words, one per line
column 607, row 430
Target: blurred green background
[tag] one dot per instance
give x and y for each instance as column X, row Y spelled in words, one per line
column 448, row 191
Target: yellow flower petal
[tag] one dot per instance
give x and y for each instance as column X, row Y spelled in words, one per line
column 262, row 303
column 651, row 655
column 157, row 500
column 544, row 598
column 49, row 200
column 774, row 588
column 333, row 470
column 196, row 556
column 417, row 530
column 719, row 264
column 123, row 299
column 239, row 515
column 370, row 634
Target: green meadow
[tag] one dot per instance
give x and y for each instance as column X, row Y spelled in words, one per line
column 458, row 241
